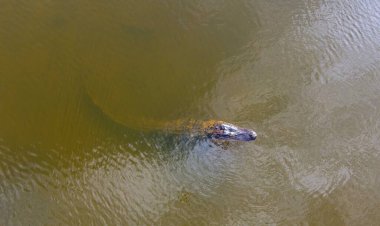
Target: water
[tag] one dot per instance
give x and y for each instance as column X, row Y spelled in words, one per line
column 79, row 79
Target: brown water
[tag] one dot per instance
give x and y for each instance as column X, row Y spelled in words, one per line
column 78, row 79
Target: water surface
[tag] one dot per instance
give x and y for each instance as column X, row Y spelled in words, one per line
column 79, row 79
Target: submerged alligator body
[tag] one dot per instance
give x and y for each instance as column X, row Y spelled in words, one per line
column 213, row 129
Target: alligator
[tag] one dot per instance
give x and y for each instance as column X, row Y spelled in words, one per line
column 215, row 130
column 212, row 129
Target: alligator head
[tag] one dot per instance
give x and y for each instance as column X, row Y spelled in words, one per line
column 226, row 131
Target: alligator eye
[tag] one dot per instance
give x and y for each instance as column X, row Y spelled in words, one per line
column 220, row 127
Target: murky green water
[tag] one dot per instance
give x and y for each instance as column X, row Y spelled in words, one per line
column 80, row 80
